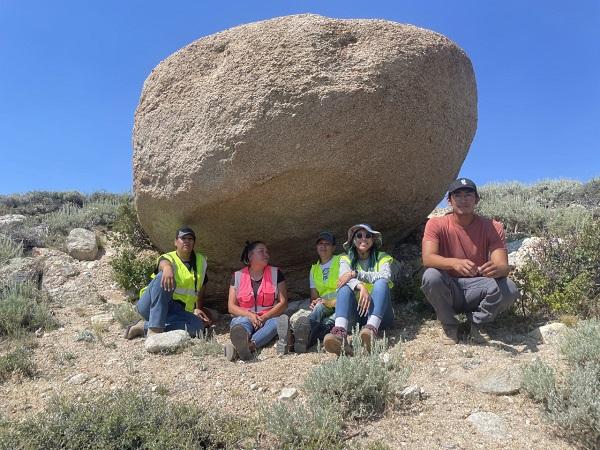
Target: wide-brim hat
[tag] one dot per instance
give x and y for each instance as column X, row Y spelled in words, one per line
column 377, row 239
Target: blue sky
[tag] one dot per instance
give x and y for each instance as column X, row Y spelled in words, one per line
column 72, row 72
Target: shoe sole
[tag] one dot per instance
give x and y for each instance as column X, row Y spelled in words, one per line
column 301, row 335
column 230, row 352
column 283, row 328
column 239, row 339
column 366, row 338
column 128, row 329
column 332, row 345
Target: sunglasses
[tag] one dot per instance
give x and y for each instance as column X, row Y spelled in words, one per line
column 361, row 235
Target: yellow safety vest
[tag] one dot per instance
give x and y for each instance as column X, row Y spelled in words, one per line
column 382, row 259
column 187, row 283
column 327, row 289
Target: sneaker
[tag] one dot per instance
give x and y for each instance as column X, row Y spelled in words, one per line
column 367, row 334
column 302, row 334
column 239, row 339
column 134, row 330
column 334, row 341
column 230, row 352
column 283, row 334
column 479, row 335
column 449, row 334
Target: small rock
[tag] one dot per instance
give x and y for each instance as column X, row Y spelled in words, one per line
column 39, row 333
column 168, row 342
column 82, row 244
column 262, row 389
column 550, row 333
column 9, row 220
column 489, row 424
column 102, row 320
column 253, row 386
column 112, row 296
column 443, row 369
column 500, row 382
column 412, row 393
column 288, row 394
column 80, row 378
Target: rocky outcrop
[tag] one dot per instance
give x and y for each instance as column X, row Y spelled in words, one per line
column 277, row 129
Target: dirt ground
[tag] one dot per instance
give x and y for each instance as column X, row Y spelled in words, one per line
column 438, row 420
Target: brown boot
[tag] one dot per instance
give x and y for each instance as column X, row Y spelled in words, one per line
column 479, row 335
column 368, row 334
column 336, row 340
column 134, row 330
column 449, row 334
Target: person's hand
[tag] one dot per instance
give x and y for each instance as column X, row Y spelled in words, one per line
column 344, row 278
column 203, row 316
column 167, row 281
column 489, row 270
column 315, row 302
column 256, row 321
column 465, row 267
column 364, row 301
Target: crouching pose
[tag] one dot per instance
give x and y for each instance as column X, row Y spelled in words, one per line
column 173, row 299
column 364, row 271
column 257, row 299
column 467, row 265
column 323, row 292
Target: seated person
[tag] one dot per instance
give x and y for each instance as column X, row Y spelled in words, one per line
column 173, row 299
column 467, row 265
column 257, row 299
column 323, row 291
column 366, row 271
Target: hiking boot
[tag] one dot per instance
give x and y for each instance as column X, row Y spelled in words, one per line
column 368, row 334
column 449, row 334
column 302, row 335
column 240, row 341
column 336, row 340
column 283, row 334
column 230, row 352
column 479, row 335
column 134, row 330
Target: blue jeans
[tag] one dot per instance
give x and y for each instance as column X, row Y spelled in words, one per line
column 321, row 320
column 159, row 310
column 381, row 305
column 263, row 335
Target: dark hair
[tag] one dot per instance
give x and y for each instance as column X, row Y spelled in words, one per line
column 353, row 255
column 247, row 249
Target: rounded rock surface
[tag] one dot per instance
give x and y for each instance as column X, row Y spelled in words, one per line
column 82, row 244
column 277, row 129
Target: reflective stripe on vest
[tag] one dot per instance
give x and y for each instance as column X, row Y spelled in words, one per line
column 327, row 289
column 266, row 295
column 382, row 259
column 184, row 279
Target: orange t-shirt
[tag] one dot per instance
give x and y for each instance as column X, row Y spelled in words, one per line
column 475, row 242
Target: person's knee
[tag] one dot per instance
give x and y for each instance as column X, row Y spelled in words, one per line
column 510, row 291
column 432, row 278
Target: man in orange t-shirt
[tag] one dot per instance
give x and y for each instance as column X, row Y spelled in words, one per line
column 467, row 265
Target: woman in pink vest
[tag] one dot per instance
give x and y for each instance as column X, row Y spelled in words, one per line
column 257, row 299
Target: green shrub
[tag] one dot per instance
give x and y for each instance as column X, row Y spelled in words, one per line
column 9, row 249
column 23, row 308
column 315, row 425
column 126, row 314
column 18, row 362
column 132, row 269
column 125, row 420
column 572, row 401
column 360, row 386
column 206, row 346
column 563, row 276
column 38, row 202
column 129, row 232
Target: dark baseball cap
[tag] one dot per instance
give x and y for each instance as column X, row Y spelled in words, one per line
column 462, row 183
column 184, row 231
column 326, row 236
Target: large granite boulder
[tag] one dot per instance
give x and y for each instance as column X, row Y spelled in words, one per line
column 277, row 129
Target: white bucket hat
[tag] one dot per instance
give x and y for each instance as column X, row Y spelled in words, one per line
column 378, row 242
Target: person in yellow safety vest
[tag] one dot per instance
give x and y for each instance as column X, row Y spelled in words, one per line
column 257, row 299
column 363, row 289
column 323, row 292
column 173, row 299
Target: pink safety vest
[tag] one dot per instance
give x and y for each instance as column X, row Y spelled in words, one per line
column 267, row 291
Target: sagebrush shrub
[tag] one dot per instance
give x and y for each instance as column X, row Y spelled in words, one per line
column 206, row 346
column 132, row 269
column 125, row 314
column 9, row 249
column 124, row 420
column 23, row 308
column 19, row 362
column 539, row 380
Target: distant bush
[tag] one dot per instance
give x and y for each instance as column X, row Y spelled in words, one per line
column 17, row 362
column 22, row 309
column 553, row 206
column 38, row 202
column 9, row 249
column 563, row 276
column 124, row 420
column 572, row 401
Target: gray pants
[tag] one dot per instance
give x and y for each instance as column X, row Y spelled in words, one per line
column 484, row 298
